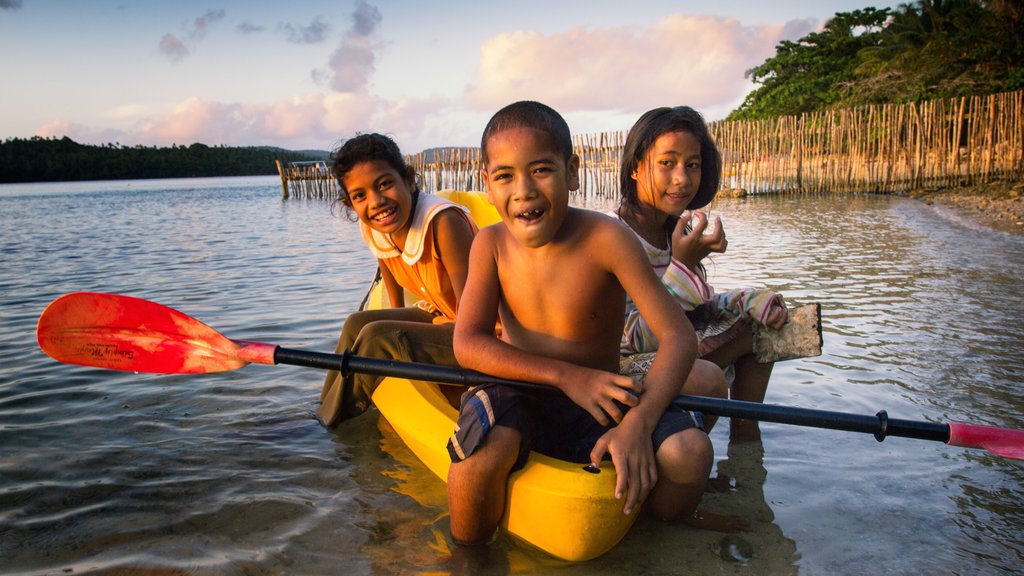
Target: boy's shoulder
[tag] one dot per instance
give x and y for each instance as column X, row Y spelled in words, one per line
column 593, row 222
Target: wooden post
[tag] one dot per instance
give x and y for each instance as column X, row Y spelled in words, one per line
column 284, row 180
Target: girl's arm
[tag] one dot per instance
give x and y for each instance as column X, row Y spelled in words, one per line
column 395, row 291
column 688, row 287
column 453, row 237
column 683, row 276
column 684, row 280
column 760, row 304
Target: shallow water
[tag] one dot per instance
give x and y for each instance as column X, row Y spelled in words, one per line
column 230, row 474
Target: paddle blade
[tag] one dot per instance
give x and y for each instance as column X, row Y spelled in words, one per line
column 999, row 441
column 125, row 333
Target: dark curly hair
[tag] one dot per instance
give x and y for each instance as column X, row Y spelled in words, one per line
column 368, row 148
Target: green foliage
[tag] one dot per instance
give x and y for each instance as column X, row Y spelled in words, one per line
column 940, row 49
column 52, row 160
column 922, row 50
column 807, row 75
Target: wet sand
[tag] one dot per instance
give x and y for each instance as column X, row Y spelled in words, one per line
column 998, row 205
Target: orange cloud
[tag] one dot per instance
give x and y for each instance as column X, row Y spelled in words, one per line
column 310, row 120
column 695, row 60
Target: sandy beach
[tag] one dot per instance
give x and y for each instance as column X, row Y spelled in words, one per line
column 998, row 205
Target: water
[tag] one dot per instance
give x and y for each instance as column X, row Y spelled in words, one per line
column 229, row 473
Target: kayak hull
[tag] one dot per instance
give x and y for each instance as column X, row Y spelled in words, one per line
column 552, row 505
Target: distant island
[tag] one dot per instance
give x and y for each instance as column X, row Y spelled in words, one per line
column 39, row 159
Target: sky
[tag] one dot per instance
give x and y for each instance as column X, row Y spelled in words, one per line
column 309, row 74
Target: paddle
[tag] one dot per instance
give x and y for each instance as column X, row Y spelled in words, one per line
column 126, row 333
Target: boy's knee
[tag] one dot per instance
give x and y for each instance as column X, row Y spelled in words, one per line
column 686, row 456
column 497, row 452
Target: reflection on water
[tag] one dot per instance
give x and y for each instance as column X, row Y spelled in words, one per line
column 229, row 473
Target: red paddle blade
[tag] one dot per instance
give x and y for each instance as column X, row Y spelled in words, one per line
column 999, row 441
column 125, row 333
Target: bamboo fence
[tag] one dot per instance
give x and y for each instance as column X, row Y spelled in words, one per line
column 885, row 148
column 307, row 180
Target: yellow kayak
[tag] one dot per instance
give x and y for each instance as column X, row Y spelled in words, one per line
column 553, row 505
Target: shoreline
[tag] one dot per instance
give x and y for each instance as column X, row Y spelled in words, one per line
column 997, row 205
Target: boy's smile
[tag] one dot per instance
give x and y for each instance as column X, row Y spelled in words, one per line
column 669, row 176
column 529, row 182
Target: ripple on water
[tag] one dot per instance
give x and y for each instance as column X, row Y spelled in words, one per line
column 230, row 473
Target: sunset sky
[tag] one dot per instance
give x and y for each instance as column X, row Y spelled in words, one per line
column 307, row 74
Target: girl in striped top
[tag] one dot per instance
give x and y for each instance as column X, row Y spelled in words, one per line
column 670, row 168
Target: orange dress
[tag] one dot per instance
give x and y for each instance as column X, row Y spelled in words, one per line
column 418, row 268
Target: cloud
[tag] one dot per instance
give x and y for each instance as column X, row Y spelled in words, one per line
column 796, row 29
column 291, row 119
column 173, row 48
column 201, row 25
column 10, row 4
column 351, row 65
column 81, row 133
column 315, row 33
column 600, row 79
column 683, row 59
column 196, row 120
column 127, row 111
column 365, row 19
column 249, row 28
column 312, row 120
column 176, row 49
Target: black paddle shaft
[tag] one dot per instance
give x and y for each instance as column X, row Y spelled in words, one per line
column 879, row 425
column 348, row 363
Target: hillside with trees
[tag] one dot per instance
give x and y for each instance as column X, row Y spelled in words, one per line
column 53, row 160
column 922, row 50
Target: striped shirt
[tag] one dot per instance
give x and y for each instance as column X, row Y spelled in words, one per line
column 690, row 289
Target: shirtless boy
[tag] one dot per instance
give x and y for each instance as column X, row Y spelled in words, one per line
column 557, row 277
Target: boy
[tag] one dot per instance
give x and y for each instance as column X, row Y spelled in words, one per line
column 557, row 278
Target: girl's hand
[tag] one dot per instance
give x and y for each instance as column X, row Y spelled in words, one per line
column 693, row 246
column 777, row 315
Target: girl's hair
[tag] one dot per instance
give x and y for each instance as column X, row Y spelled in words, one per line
column 641, row 138
column 529, row 114
column 368, row 148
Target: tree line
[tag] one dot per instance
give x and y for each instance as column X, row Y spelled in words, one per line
column 39, row 159
column 924, row 50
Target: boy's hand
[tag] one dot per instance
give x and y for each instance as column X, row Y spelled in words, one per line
column 598, row 391
column 693, row 246
column 633, row 456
